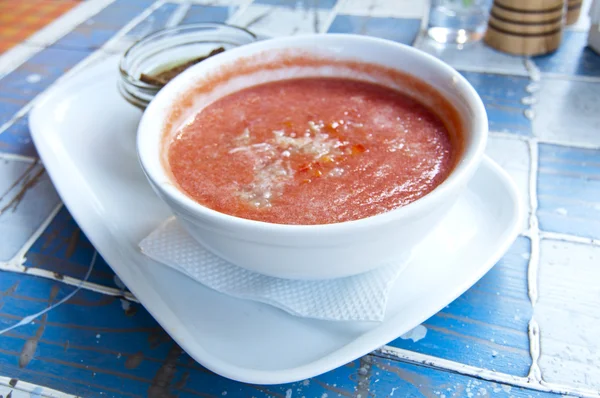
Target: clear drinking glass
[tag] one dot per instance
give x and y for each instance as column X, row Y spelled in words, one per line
column 458, row 21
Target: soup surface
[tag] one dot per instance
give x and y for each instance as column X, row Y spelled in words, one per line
column 311, row 151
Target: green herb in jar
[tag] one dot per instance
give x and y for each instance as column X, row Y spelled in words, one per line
column 166, row 75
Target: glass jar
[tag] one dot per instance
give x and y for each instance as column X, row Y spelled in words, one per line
column 458, row 21
column 171, row 47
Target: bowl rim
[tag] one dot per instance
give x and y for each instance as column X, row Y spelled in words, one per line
column 135, row 81
column 466, row 166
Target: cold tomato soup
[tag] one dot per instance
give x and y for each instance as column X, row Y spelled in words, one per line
column 311, row 151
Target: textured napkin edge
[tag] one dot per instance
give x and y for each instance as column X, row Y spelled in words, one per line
column 374, row 317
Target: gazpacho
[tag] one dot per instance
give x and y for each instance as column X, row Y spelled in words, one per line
column 312, row 151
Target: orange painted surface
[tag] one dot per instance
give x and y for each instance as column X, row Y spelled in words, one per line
column 19, row 19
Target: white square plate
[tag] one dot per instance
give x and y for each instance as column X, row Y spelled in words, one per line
column 85, row 134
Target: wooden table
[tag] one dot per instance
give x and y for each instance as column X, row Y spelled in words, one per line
column 529, row 328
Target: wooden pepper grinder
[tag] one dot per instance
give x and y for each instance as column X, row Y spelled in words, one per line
column 573, row 11
column 525, row 27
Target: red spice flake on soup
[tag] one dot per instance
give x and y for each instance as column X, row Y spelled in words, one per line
column 311, row 151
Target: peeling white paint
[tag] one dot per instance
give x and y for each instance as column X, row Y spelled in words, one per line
column 33, row 78
column 415, row 334
column 568, row 314
column 484, row 374
column 23, row 389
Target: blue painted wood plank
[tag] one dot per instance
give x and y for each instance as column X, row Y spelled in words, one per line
column 97, row 30
column 36, row 74
column 299, row 4
column 27, row 199
column 201, row 13
column 92, row 347
column 102, row 335
column 153, row 22
column 340, row 382
column 395, row 379
column 23, row 84
column 133, row 3
column 476, row 55
column 16, row 139
column 402, row 30
column 65, row 250
column 573, row 57
column 567, row 112
column 569, row 190
column 502, row 95
column 486, row 326
column 8, row 108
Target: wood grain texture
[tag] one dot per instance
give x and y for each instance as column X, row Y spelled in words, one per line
column 569, row 190
column 572, row 58
column 397, row 379
column 566, row 112
column 27, row 198
column 106, row 353
column 403, row 30
column 208, row 13
column 569, row 313
column 65, row 250
column 97, row 30
column 487, row 326
column 92, row 345
column 503, row 96
column 513, row 156
column 275, row 21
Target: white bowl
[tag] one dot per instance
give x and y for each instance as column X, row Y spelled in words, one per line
column 309, row 251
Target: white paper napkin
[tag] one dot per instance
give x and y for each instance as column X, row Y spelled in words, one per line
column 355, row 298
